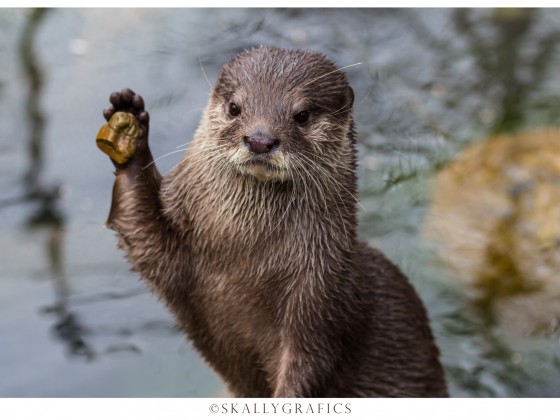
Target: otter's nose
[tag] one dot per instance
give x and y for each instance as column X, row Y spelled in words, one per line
column 259, row 143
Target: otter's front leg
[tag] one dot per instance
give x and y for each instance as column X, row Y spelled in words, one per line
column 145, row 234
column 125, row 140
column 310, row 346
column 305, row 366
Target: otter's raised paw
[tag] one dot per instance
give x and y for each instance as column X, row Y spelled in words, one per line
column 125, row 136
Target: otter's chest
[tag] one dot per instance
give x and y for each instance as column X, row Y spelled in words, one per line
column 238, row 300
column 247, row 248
column 254, row 231
column 244, row 262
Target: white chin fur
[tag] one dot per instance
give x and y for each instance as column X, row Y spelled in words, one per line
column 263, row 173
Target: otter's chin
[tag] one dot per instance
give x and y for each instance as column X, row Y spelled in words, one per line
column 265, row 168
column 263, row 171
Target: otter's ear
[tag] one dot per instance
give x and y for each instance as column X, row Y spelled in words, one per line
column 349, row 97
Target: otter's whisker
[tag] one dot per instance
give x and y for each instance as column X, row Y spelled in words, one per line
column 292, row 198
column 330, row 176
column 365, row 97
column 161, row 157
column 331, row 72
column 336, row 202
column 204, row 73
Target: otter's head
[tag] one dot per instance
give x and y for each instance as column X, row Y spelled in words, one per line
column 275, row 113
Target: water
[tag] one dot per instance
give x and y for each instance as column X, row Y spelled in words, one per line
column 75, row 322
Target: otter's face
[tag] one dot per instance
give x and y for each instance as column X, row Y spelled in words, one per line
column 275, row 113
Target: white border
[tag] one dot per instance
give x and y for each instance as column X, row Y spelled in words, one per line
column 205, row 408
column 284, row 3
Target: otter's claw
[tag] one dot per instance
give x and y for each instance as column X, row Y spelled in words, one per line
column 127, row 101
column 126, row 133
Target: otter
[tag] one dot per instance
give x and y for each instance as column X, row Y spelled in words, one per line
column 251, row 239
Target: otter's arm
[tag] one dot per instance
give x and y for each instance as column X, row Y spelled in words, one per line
column 136, row 214
column 311, row 344
column 306, row 365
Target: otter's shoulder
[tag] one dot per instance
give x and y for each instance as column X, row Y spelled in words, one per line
column 375, row 264
column 389, row 287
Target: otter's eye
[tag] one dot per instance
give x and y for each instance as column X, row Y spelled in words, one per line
column 301, row 117
column 234, row 110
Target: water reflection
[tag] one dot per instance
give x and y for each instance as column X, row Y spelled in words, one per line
column 36, row 119
column 68, row 327
column 49, row 221
column 512, row 58
column 35, row 190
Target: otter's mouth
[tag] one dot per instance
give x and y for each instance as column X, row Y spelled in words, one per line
column 262, row 169
column 259, row 164
column 264, row 166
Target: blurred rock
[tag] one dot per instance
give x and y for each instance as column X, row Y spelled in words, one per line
column 495, row 214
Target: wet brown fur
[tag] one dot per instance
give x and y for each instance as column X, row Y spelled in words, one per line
column 268, row 278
